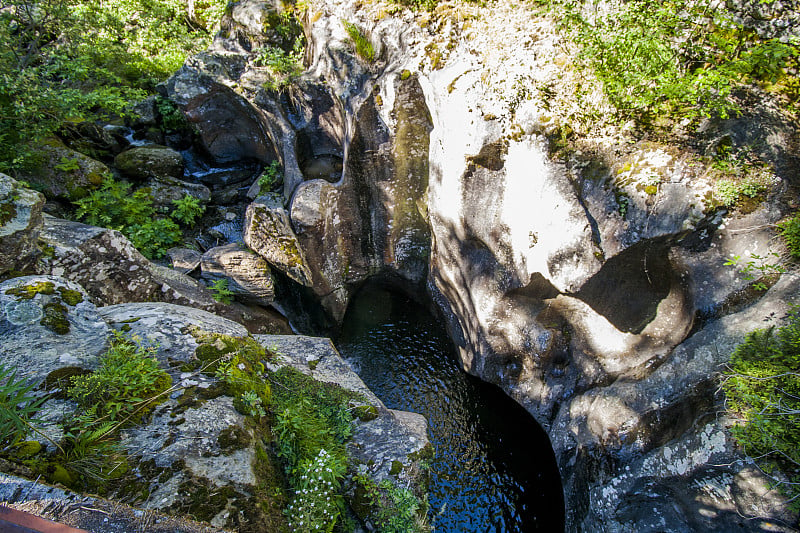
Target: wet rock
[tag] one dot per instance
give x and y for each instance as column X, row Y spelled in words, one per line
column 249, row 273
column 268, row 232
column 151, row 161
column 230, row 128
column 146, row 112
column 47, row 322
column 62, row 173
column 20, row 224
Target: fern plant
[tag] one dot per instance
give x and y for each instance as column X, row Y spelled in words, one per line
column 17, row 407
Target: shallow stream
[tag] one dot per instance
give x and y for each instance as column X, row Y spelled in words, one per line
column 493, row 468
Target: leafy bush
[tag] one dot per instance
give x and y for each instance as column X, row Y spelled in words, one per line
column 188, row 209
column 312, row 417
column 114, row 206
column 678, row 58
column 270, row 177
column 762, row 385
column 171, row 117
column 126, row 386
column 362, row 44
column 790, row 231
column 17, row 407
column 63, row 61
column 394, row 509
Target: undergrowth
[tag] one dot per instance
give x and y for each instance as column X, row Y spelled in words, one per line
column 762, row 386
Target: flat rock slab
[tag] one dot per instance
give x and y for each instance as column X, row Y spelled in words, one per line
column 167, row 325
column 47, row 322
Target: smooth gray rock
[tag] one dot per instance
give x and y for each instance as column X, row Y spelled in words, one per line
column 46, row 323
column 165, row 325
column 184, row 260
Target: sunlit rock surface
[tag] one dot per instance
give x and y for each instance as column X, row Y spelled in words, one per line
column 571, row 278
column 20, row 225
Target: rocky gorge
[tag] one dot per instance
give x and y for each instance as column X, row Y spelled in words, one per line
column 583, row 274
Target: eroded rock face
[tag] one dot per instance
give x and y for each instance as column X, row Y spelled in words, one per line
column 268, row 232
column 20, row 224
column 572, row 280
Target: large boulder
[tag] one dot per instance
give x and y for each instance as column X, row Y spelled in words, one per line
column 62, row 173
column 47, row 323
column 268, row 232
column 112, row 271
column 250, row 274
column 150, row 161
column 20, row 224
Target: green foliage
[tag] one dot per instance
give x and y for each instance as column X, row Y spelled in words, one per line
column 361, row 43
column 125, row 387
column 64, row 61
column 17, row 407
column 67, row 164
column 221, row 291
column 188, row 209
column 114, row 206
column 678, row 58
column 394, row 509
column 729, row 192
column 790, row 231
column 762, row 385
column 312, row 423
column 171, row 117
column 757, row 269
column 270, row 177
column 284, row 59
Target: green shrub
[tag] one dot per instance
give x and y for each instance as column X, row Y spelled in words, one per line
column 655, row 59
column 312, row 424
column 762, row 386
column 393, row 509
column 127, row 384
column 270, row 177
column 114, row 206
column 188, row 209
column 171, row 117
column 64, row 61
column 790, row 231
column 361, row 43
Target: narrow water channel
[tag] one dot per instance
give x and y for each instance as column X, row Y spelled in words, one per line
column 493, row 468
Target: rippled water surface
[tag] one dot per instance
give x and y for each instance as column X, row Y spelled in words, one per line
column 493, row 468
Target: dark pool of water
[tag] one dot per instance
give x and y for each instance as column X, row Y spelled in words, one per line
column 493, row 468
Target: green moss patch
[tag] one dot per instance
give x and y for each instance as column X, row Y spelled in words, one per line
column 55, row 318
column 7, row 213
column 70, row 297
column 28, row 292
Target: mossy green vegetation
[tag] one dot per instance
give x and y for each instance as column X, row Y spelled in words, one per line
column 393, row 509
column 126, row 386
column 762, row 388
column 54, row 312
column 789, row 229
column 361, row 43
